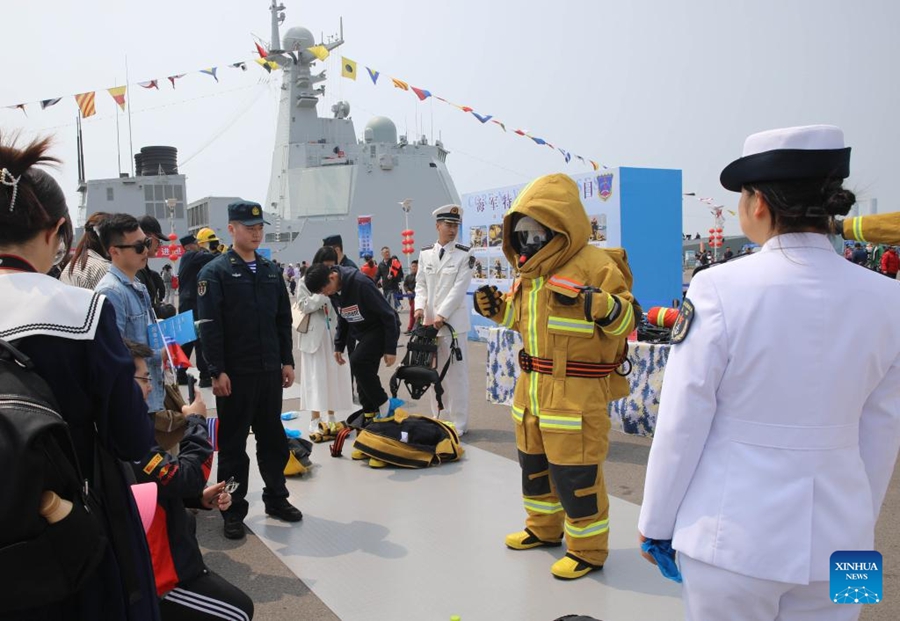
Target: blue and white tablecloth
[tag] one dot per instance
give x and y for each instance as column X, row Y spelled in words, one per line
column 635, row 414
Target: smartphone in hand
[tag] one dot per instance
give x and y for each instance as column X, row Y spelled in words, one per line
column 191, row 393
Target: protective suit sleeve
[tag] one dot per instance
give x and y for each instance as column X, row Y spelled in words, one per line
column 687, row 408
column 611, row 308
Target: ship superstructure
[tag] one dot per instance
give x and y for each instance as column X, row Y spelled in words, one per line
column 324, row 176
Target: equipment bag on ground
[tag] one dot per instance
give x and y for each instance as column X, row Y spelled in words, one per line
column 409, row 441
column 299, row 450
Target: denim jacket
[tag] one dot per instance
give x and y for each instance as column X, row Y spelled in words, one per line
column 133, row 315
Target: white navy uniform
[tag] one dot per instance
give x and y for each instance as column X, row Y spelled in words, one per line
column 778, row 429
column 441, row 285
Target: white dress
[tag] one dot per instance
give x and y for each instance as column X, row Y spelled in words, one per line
column 324, row 384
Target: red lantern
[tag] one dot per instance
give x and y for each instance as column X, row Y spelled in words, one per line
column 407, row 233
column 172, row 236
column 173, row 258
column 408, row 250
column 712, row 230
column 719, row 230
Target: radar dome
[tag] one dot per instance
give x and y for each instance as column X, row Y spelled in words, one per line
column 383, row 130
column 298, row 38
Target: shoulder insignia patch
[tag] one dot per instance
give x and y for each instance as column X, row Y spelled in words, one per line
column 463, row 248
column 683, row 323
column 201, row 288
column 153, row 463
column 428, row 247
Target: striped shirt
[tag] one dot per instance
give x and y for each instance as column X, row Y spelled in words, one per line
column 94, row 270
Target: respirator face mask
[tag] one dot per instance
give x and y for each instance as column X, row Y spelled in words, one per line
column 530, row 236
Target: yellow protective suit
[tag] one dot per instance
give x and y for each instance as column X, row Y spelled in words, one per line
column 562, row 422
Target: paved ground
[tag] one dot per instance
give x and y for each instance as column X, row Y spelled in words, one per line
column 280, row 596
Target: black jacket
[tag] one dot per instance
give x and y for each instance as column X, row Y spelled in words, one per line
column 362, row 308
column 188, row 269
column 246, row 317
column 390, row 275
column 179, row 482
column 154, row 283
column 99, row 399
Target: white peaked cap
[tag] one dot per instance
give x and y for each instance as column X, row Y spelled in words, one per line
column 807, row 137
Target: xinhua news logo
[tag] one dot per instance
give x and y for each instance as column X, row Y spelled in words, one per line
column 856, row 577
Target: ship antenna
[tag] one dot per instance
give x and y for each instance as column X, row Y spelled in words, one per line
column 277, row 18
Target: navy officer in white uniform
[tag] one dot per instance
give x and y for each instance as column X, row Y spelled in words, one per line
column 779, row 419
column 445, row 272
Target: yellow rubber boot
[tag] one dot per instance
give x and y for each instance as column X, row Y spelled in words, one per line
column 570, row 567
column 357, row 454
column 525, row 540
column 376, row 463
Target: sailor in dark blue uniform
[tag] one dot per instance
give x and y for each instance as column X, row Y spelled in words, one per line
column 246, row 334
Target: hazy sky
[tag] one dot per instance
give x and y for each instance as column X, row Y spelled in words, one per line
column 657, row 83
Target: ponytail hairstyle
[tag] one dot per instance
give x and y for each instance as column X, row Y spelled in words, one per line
column 802, row 205
column 31, row 201
column 89, row 241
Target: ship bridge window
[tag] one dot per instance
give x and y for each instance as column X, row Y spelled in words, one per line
column 285, row 237
column 198, row 215
column 372, row 150
column 109, row 194
column 155, row 197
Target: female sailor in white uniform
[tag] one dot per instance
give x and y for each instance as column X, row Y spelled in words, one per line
column 779, row 420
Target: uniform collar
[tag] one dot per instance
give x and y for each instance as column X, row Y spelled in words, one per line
column 819, row 241
column 236, row 257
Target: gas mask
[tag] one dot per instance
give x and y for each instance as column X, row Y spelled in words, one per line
column 529, row 236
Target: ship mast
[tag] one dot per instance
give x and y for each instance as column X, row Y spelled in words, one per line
column 277, row 18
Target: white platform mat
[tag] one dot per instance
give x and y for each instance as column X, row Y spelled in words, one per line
column 402, row 545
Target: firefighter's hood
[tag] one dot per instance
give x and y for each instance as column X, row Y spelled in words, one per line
column 553, row 201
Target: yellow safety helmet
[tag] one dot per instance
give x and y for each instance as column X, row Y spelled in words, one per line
column 206, row 236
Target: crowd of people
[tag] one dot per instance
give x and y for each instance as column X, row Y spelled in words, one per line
column 730, row 479
column 879, row 258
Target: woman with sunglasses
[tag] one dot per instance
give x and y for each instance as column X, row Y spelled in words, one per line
column 127, row 246
column 71, row 336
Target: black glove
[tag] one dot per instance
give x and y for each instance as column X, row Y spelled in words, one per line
column 487, row 300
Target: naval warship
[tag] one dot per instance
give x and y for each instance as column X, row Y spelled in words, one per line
column 324, row 176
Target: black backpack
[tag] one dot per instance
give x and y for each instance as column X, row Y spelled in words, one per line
column 418, row 370
column 40, row 563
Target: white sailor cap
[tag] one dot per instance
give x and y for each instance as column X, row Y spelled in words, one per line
column 809, row 152
column 448, row 213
